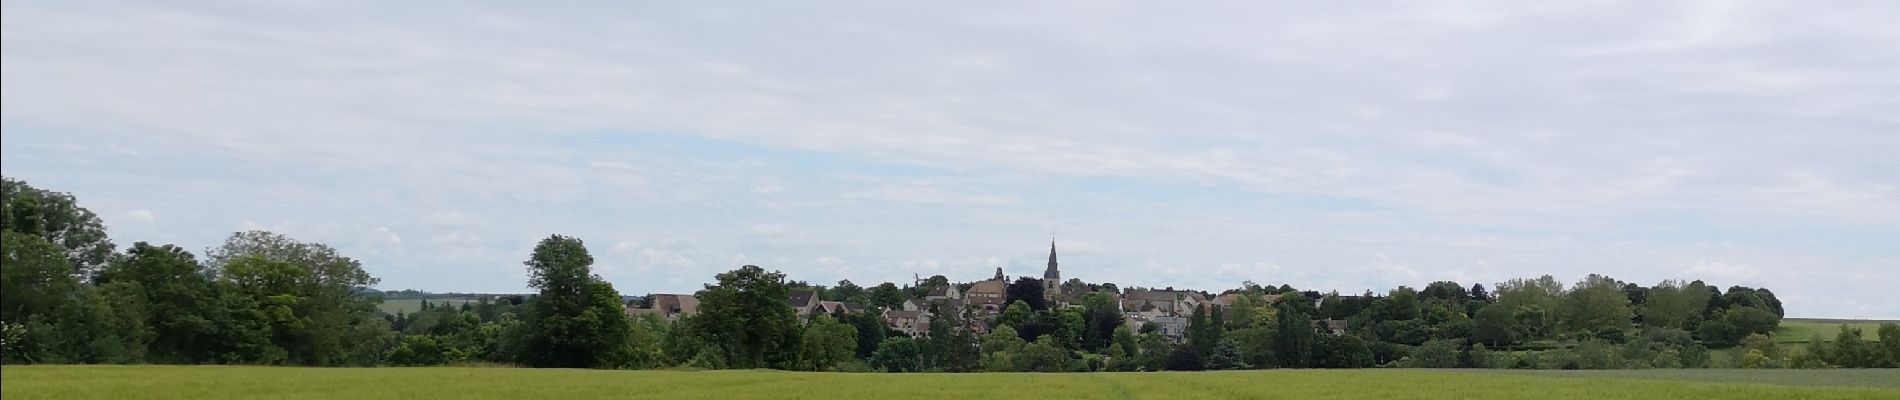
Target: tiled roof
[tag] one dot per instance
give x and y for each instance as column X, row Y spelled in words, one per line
column 801, row 298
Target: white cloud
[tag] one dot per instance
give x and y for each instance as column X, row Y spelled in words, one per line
column 1162, row 142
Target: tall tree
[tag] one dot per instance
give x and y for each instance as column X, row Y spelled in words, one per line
column 1444, row 290
column 1292, row 335
column 1533, row 303
column 178, row 299
column 870, row 330
column 316, row 290
column 828, row 343
column 1102, row 317
column 1494, row 324
column 887, row 296
column 58, row 218
column 1029, row 291
column 746, row 318
column 578, row 320
column 1597, row 303
column 1674, row 304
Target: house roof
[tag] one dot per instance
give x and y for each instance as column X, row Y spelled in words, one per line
column 1228, row 299
column 1154, row 295
column 834, row 306
column 990, row 286
column 942, row 290
column 802, row 298
column 666, row 303
column 1335, row 325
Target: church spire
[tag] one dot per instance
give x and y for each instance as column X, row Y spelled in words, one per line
column 1051, row 272
column 1052, row 278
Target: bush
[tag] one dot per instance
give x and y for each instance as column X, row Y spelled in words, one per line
column 420, row 350
column 1754, row 359
column 1668, row 358
column 1184, row 358
column 1434, row 354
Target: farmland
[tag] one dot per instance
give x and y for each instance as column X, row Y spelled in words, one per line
column 410, row 306
column 1794, row 330
column 216, row 383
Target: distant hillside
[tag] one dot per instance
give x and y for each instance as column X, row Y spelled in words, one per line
column 1801, row 330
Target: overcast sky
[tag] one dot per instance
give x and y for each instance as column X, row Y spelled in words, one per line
column 1317, row 144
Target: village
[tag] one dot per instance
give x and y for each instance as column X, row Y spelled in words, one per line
column 1164, row 311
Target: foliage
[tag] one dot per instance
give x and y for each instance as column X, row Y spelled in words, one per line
column 181, row 383
column 828, row 343
column 1434, row 354
column 745, row 316
column 57, row 218
column 1674, row 304
column 1028, row 291
column 1185, row 358
column 1045, row 355
column 1292, row 336
column 577, row 321
column 898, row 354
column 1226, row 356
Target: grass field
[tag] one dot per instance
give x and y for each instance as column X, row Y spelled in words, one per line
column 218, row 383
column 1794, row 330
column 411, row 305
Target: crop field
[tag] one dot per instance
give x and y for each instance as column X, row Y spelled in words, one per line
column 1802, row 330
column 218, row 383
column 411, row 305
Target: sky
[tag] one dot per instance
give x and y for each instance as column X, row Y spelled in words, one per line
column 1330, row 146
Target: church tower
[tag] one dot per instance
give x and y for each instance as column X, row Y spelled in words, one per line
column 1051, row 278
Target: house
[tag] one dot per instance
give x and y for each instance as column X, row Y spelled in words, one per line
column 672, row 307
column 804, row 303
column 991, row 295
column 1159, row 303
column 1172, row 327
column 944, row 292
column 1227, row 300
column 913, row 323
column 1335, row 327
column 833, row 308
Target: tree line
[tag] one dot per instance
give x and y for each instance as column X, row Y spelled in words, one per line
column 69, row 296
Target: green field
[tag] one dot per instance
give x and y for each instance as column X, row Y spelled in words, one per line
column 411, row 305
column 217, row 383
column 1795, row 330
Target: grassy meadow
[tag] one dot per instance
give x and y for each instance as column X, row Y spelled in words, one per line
column 218, row 383
column 410, row 306
column 1794, row 330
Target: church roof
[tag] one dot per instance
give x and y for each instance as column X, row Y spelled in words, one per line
column 1051, row 272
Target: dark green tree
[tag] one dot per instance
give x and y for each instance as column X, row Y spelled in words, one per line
column 887, row 296
column 746, row 317
column 1494, row 324
column 828, row 343
column 1029, row 291
column 330, row 323
column 898, row 354
column 57, row 218
column 578, row 320
column 1292, row 336
column 178, row 299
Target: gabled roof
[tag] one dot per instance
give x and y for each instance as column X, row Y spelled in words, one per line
column 802, row 298
column 942, row 291
column 901, row 314
column 1154, row 295
column 989, row 286
column 833, row 307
